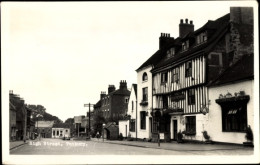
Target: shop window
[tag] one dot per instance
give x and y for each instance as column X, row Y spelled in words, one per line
column 143, row 119
column 188, row 69
column 234, row 119
column 191, row 125
column 145, row 77
column 132, row 125
column 191, row 96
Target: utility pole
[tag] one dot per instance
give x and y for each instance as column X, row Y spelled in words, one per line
column 89, row 105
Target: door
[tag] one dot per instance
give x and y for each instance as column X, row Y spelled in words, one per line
column 175, row 130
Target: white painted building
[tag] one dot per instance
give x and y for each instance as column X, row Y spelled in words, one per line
column 128, row 126
column 231, row 107
column 60, row 132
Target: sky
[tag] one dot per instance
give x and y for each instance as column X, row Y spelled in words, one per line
column 63, row 54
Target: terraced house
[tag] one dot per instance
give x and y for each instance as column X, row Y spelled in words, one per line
column 180, row 98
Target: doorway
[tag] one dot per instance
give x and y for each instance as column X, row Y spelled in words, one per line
column 175, row 126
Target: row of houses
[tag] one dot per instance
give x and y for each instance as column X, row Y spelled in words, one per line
column 20, row 124
column 202, row 80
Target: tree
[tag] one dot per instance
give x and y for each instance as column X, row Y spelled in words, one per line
column 98, row 121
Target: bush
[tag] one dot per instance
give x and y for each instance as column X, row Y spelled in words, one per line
column 249, row 134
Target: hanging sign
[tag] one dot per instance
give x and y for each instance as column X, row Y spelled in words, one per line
column 204, row 110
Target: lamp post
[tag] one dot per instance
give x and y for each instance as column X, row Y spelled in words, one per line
column 103, row 130
column 88, row 105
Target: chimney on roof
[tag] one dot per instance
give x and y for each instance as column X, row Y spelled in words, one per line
column 242, row 15
column 185, row 28
column 123, row 84
column 111, row 88
column 164, row 39
column 103, row 94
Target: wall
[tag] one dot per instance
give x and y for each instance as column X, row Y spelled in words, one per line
column 129, row 110
column 141, row 133
column 123, row 125
column 215, row 125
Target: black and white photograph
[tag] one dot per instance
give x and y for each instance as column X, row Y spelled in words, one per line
column 121, row 82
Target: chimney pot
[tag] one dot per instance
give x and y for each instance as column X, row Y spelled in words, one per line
column 181, row 21
column 186, row 20
column 191, row 22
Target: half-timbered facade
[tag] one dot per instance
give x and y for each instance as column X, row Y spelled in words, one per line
column 180, row 95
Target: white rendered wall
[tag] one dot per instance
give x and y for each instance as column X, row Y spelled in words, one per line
column 215, row 125
column 130, row 111
column 144, row 133
column 122, row 127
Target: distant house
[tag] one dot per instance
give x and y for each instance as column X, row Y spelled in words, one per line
column 44, row 128
column 113, row 106
column 60, row 130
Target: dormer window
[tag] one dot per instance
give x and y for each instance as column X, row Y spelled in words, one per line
column 185, row 45
column 170, row 52
column 201, row 38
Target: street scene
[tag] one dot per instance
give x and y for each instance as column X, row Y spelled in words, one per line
column 98, row 147
column 118, row 79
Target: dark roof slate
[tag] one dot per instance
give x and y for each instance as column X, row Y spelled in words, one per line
column 221, row 24
column 241, row 70
column 135, row 88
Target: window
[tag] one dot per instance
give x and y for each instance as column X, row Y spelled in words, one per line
column 145, row 77
column 57, row 132
column 185, row 45
column 170, row 53
column 132, row 106
column 143, row 119
column 164, row 77
column 53, row 133
column 145, row 94
column 175, row 75
column 190, row 124
column 202, row 37
column 165, row 101
column 126, row 100
column 188, row 69
column 191, row 96
column 215, row 59
column 132, row 125
column 234, row 118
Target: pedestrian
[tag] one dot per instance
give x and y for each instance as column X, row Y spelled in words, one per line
column 97, row 135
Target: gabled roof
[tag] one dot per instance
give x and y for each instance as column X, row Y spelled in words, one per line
column 241, row 70
column 220, row 25
column 98, row 104
column 158, row 55
column 135, row 89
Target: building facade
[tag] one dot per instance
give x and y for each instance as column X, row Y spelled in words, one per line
column 60, row 130
column 44, row 128
column 194, row 59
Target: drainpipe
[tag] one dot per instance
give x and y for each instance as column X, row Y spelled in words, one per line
column 136, row 120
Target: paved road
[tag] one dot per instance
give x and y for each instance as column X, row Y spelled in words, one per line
column 61, row 147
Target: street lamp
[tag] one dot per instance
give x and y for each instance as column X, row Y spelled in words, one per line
column 103, row 130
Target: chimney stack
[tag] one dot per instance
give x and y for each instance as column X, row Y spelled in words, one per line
column 185, row 28
column 123, row 84
column 111, row 88
column 103, row 94
column 164, row 39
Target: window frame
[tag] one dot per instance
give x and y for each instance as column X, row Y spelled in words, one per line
column 191, row 96
column 164, row 77
column 190, row 125
column 145, row 94
column 145, row 77
column 188, row 69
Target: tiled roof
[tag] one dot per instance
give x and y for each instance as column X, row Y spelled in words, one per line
column 158, row 55
column 98, row 104
column 44, row 124
column 120, row 92
column 220, row 25
column 61, row 125
column 241, row 70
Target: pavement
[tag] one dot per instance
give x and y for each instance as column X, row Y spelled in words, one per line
column 15, row 144
column 174, row 146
